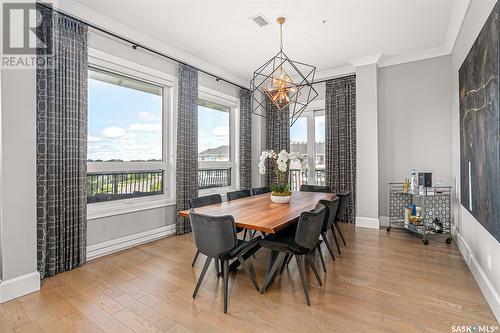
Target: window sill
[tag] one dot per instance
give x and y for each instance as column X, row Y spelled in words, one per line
column 106, row 209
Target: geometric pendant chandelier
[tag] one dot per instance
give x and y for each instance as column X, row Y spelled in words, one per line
column 286, row 83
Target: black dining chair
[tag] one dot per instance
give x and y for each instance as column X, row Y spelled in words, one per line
column 260, row 190
column 315, row 188
column 341, row 211
column 298, row 240
column 215, row 237
column 238, row 194
column 331, row 207
column 202, row 202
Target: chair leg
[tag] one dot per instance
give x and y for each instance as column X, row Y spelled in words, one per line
column 334, row 235
column 318, row 247
column 300, row 263
column 289, row 259
column 202, row 275
column 248, row 267
column 245, row 234
column 327, row 243
column 217, row 269
column 337, row 225
column 195, row 258
column 313, row 268
column 225, row 273
column 285, row 262
column 270, row 274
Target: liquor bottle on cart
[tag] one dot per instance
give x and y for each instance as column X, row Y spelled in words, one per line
column 413, row 181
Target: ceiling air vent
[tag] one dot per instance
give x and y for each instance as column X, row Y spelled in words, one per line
column 260, row 20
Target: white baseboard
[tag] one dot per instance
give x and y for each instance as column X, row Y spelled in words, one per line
column 367, row 222
column 19, row 286
column 122, row 243
column 490, row 293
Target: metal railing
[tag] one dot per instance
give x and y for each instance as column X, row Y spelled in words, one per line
column 298, row 178
column 214, row 177
column 109, row 186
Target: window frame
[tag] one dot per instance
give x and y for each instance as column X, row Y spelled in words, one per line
column 233, row 104
column 115, row 65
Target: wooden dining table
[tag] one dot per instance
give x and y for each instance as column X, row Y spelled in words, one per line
column 260, row 213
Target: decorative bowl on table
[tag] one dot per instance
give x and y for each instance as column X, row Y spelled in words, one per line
column 281, row 198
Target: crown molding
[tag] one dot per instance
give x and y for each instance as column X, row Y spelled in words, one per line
column 86, row 14
column 457, row 18
column 414, row 56
column 372, row 59
column 335, row 72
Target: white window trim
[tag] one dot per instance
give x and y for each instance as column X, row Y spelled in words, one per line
column 315, row 108
column 233, row 103
column 105, row 61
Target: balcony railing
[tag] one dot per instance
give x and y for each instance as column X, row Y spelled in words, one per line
column 298, row 178
column 214, row 177
column 109, row 186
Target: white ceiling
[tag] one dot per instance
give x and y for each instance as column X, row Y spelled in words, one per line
column 220, row 32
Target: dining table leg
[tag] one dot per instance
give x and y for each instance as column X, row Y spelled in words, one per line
column 235, row 264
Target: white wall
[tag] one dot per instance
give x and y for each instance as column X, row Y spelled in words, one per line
column 476, row 243
column 414, row 123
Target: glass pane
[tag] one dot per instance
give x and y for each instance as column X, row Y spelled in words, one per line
column 213, row 132
column 124, row 119
column 319, row 122
column 319, row 161
column 298, row 144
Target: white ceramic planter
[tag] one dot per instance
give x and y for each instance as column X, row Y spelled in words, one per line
column 280, row 199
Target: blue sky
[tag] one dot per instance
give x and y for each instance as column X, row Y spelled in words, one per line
column 213, row 128
column 123, row 123
column 298, row 132
column 126, row 124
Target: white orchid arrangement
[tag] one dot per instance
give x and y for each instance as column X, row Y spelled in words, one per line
column 281, row 163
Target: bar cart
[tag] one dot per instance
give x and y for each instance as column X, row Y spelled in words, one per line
column 423, row 212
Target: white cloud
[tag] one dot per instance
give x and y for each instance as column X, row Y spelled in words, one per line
column 220, row 131
column 145, row 127
column 113, row 132
column 94, row 138
column 143, row 115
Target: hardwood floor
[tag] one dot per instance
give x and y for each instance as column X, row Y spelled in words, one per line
column 382, row 282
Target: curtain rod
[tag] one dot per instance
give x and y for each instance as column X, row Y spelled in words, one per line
column 136, row 45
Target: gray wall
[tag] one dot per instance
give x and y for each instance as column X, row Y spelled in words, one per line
column 18, row 196
column 414, row 123
column 480, row 242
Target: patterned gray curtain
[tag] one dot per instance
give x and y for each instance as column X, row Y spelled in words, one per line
column 277, row 134
column 187, row 143
column 245, row 139
column 340, row 136
column 61, row 145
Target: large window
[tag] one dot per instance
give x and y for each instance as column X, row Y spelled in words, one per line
column 217, row 169
column 307, row 136
column 126, row 158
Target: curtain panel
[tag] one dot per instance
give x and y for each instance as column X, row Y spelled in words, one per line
column 61, row 144
column 245, row 139
column 277, row 134
column 187, row 143
column 340, row 137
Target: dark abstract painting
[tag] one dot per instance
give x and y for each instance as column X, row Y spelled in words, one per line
column 480, row 126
